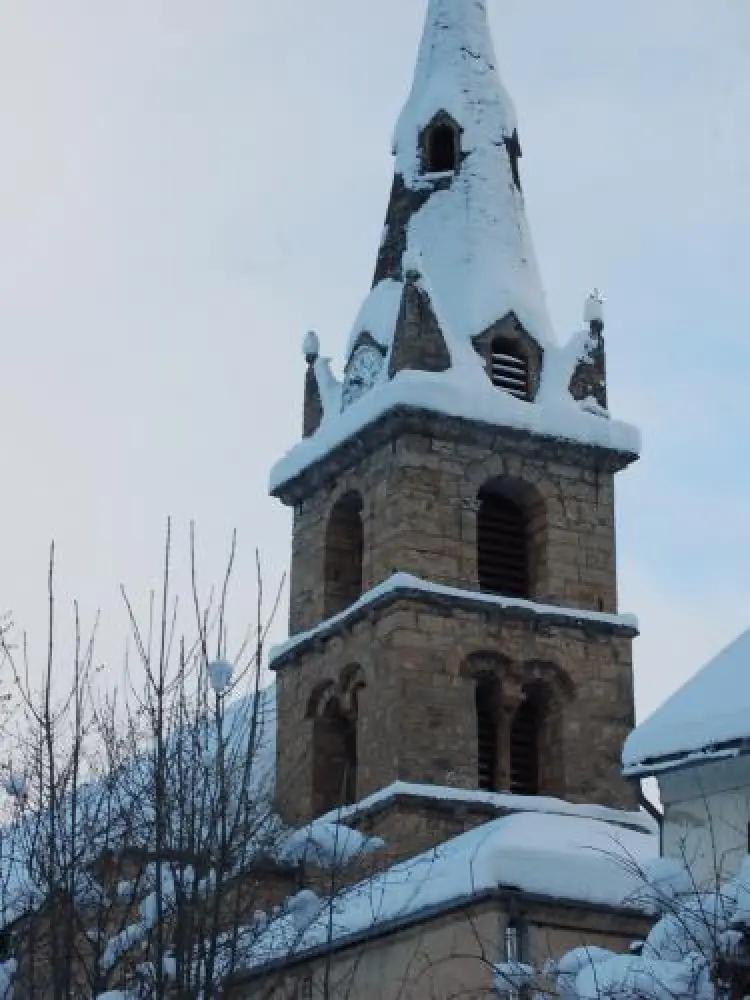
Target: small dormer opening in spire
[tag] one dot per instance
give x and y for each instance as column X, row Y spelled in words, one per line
column 441, row 145
column 510, row 368
column 513, row 146
column 441, row 149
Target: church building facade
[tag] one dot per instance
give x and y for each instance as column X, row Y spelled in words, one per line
column 454, row 616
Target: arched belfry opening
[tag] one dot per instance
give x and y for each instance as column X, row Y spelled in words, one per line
column 344, row 554
column 487, row 697
column 334, row 751
column 525, row 733
column 509, row 368
column 503, row 544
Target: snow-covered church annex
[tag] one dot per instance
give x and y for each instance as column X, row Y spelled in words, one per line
column 458, row 677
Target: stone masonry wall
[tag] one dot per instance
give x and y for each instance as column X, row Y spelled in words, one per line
column 420, row 497
column 416, row 712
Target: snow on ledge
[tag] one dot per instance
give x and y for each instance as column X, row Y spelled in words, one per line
column 405, row 583
column 456, row 394
column 502, row 801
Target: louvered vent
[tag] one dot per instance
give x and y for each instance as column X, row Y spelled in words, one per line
column 524, row 750
column 510, row 370
column 486, row 702
column 502, row 547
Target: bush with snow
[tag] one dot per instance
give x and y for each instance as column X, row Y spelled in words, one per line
column 696, row 934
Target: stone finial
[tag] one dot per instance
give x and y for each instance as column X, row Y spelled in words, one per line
column 311, row 347
column 593, row 311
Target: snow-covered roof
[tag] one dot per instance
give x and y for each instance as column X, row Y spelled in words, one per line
column 572, row 858
column 706, row 719
column 500, row 801
column 463, row 391
column 404, row 584
column 112, row 815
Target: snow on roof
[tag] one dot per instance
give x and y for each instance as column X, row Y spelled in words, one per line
column 378, row 314
column 407, row 584
column 565, row 857
column 711, row 710
column 463, row 391
column 113, row 815
column 470, row 240
column 505, row 801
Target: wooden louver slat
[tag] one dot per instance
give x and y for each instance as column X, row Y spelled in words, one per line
column 502, row 549
column 509, row 369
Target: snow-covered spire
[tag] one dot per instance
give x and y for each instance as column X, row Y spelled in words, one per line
column 457, row 206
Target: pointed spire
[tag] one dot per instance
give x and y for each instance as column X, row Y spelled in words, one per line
column 457, row 206
column 456, row 73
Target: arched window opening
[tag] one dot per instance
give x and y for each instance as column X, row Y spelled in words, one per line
column 510, row 368
column 334, row 758
column 343, row 556
column 441, row 149
column 487, row 733
column 524, row 748
column 503, row 546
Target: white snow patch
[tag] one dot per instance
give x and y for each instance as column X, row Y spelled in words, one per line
column 8, row 970
column 220, row 675
column 711, row 709
column 559, row 856
column 505, row 801
column 378, row 314
column 512, row 976
column 623, row 977
column 326, row 843
column 407, row 582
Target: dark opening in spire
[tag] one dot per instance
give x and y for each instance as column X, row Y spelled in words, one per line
column 513, row 146
column 441, row 149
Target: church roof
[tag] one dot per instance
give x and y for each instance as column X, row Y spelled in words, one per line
column 706, row 719
column 572, row 858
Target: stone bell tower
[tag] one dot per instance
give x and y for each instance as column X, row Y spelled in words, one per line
column 454, row 614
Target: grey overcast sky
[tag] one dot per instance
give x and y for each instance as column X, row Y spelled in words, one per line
column 186, row 186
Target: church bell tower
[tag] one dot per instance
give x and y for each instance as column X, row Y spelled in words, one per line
column 454, row 615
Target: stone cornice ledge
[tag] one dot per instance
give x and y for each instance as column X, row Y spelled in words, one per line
column 310, row 464
column 404, row 585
